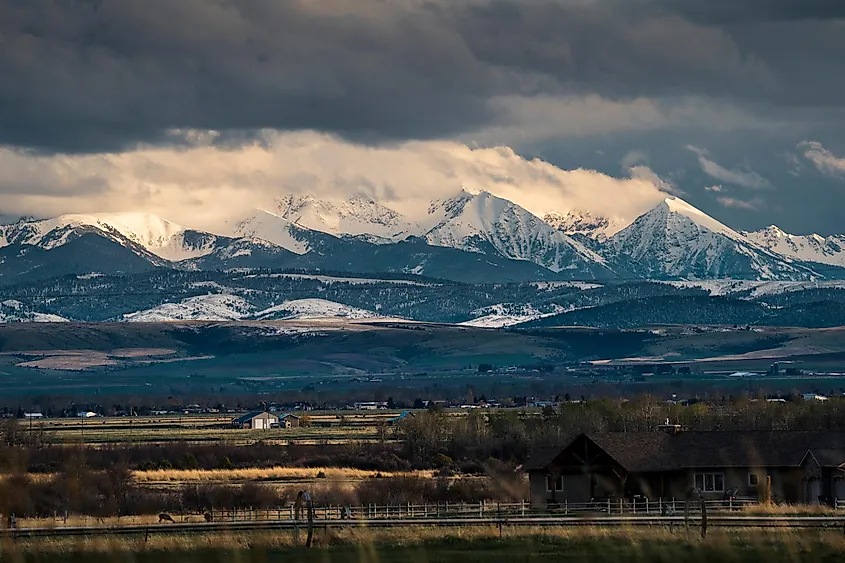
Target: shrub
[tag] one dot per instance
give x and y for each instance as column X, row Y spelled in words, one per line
column 443, row 460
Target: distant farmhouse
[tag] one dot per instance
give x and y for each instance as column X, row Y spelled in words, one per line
column 370, row 405
column 256, row 420
column 289, row 421
column 804, row 467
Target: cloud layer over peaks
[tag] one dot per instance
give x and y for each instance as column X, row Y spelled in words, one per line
column 204, row 183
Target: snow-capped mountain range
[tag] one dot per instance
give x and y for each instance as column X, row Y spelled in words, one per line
column 469, row 237
column 809, row 248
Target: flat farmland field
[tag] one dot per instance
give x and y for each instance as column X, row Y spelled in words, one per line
column 322, row 429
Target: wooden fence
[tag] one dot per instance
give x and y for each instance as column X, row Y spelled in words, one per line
column 644, row 507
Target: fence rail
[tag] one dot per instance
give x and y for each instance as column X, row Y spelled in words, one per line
column 644, row 507
column 612, row 512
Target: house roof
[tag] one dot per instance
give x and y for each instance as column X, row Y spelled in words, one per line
column 402, row 416
column 250, row 415
column 661, row 451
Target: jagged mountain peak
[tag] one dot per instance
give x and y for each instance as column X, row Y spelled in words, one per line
column 583, row 222
column 485, row 223
column 678, row 240
column 773, row 231
column 677, row 207
column 357, row 215
column 451, row 206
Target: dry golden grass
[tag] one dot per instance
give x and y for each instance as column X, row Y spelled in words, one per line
column 789, row 544
column 791, row 510
column 34, row 477
column 110, row 521
column 266, row 474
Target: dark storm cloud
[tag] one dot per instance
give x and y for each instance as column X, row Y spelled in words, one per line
column 92, row 75
column 726, row 12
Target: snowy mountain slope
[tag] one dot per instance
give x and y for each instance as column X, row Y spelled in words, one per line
column 13, row 311
column 226, row 307
column 488, row 224
column 676, row 240
column 219, row 307
column 752, row 289
column 158, row 236
column 808, row 248
column 267, row 226
column 86, row 251
column 297, row 309
column 328, row 280
column 586, row 223
column 415, row 256
column 359, row 216
column 243, row 253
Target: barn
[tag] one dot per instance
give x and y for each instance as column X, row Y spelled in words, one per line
column 256, row 420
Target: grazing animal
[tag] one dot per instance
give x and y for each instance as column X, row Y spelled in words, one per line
column 208, row 517
column 164, row 517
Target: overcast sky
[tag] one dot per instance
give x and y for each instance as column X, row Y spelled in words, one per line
column 737, row 105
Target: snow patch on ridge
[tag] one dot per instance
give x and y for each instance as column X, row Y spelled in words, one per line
column 219, row 307
column 509, row 314
column 297, row 309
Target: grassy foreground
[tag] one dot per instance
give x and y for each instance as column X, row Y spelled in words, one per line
column 424, row 545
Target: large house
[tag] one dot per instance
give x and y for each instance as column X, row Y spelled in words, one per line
column 803, row 467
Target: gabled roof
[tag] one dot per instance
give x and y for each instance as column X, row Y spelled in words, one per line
column 250, row 415
column 661, row 451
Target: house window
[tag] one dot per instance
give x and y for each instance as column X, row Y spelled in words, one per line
column 710, row 482
column 556, row 482
column 753, row 480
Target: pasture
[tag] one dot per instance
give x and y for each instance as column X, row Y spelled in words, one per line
column 433, row 544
